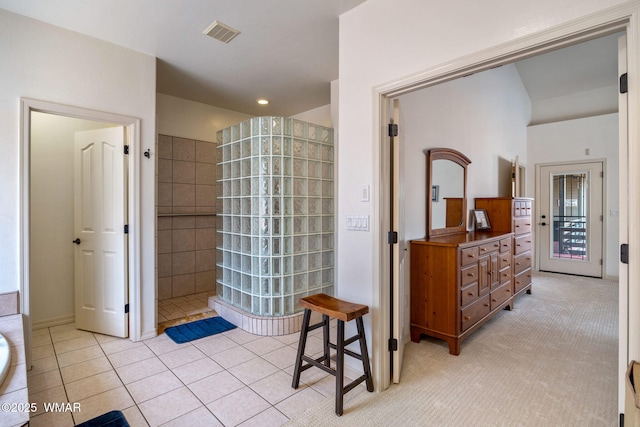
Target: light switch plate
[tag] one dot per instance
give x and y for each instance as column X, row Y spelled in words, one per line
column 358, row 222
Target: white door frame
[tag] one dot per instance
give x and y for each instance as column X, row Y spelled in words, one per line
column 624, row 17
column 132, row 126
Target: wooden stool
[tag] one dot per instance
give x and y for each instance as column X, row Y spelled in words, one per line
column 343, row 311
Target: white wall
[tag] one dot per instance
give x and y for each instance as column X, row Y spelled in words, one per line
column 51, row 250
column 319, row 116
column 193, row 120
column 47, row 63
column 422, row 35
column 567, row 141
column 576, row 105
column 484, row 116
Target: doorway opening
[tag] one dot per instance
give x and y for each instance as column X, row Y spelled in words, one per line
column 502, row 55
column 47, row 185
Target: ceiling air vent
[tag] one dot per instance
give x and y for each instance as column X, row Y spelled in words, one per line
column 220, row 31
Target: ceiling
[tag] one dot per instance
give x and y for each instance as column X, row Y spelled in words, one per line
column 287, row 50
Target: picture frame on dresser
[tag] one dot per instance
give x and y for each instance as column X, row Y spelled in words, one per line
column 481, row 219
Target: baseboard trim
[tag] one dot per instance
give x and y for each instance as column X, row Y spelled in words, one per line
column 55, row 321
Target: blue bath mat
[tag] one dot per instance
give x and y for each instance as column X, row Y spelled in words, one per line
column 198, row 329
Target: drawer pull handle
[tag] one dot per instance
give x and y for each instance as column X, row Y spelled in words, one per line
column 483, row 249
column 470, row 274
column 470, row 294
column 467, row 317
column 486, row 305
column 517, row 263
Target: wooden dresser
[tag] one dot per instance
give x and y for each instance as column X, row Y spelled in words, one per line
column 458, row 282
column 514, row 215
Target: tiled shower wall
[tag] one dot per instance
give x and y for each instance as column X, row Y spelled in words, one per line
column 186, row 217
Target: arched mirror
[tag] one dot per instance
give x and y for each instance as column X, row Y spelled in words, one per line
column 446, row 192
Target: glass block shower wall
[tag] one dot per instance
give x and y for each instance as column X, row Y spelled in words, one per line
column 275, row 213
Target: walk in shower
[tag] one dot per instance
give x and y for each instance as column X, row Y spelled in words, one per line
column 275, row 214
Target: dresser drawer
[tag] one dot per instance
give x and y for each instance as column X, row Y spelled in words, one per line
column 469, row 255
column 489, row 247
column 468, row 275
column 504, row 260
column 522, row 244
column 505, row 245
column 521, row 262
column 468, row 295
column 521, row 226
column 476, row 311
column 521, row 281
column 500, row 295
column 505, row 275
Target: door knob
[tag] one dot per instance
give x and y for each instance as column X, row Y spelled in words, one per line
column 77, row 241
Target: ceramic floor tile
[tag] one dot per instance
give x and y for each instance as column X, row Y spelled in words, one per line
column 74, row 344
column 85, row 369
column 289, row 339
column 55, row 394
column 52, row 419
column 283, row 357
column 66, row 332
column 42, row 351
column 130, row 356
column 169, row 406
column 41, row 339
column 263, row 345
column 184, row 355
column 162, row 344
column 253, row 370
column 116, row 399
column 275, row 388
column 201, row 417
column 226, row 408
column 299, row 402
column 234, row 356
column 90, row 386
column 134, row 417
column 38, row 383
column 196, row 370
column 215, row 344
column 269, row 418
column 215, row 386
column 79, row 356
column 142, row 369
column 119, row 345
column 45, row 364
column 240, row 336
column 153, row 386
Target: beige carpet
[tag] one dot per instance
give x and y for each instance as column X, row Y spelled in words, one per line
column 552, row 361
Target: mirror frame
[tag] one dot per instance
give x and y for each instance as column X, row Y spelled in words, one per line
column 460, row 159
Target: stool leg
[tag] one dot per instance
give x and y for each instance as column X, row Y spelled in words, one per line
column 301, row 345
column 340, row 367
column 364, row 354
column 325, row 338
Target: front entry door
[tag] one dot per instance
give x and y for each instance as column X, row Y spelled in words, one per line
column 570, row 218
column 99, row 219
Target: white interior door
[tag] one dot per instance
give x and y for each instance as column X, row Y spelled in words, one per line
column 399, row 285
column 570, row 218
column 99, row 219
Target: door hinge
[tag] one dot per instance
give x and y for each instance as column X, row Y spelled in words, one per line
column 624, row 253
column 624, row 87
column 392, row 237
column 393, row 344
column 126, row 229
column 126, row 308
column 126, row 149
column 393, row 129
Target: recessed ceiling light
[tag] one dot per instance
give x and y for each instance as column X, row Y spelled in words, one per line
column 263, row 101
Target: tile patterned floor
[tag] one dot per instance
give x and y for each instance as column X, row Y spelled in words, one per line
column 189, row 305
column 229, row 379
